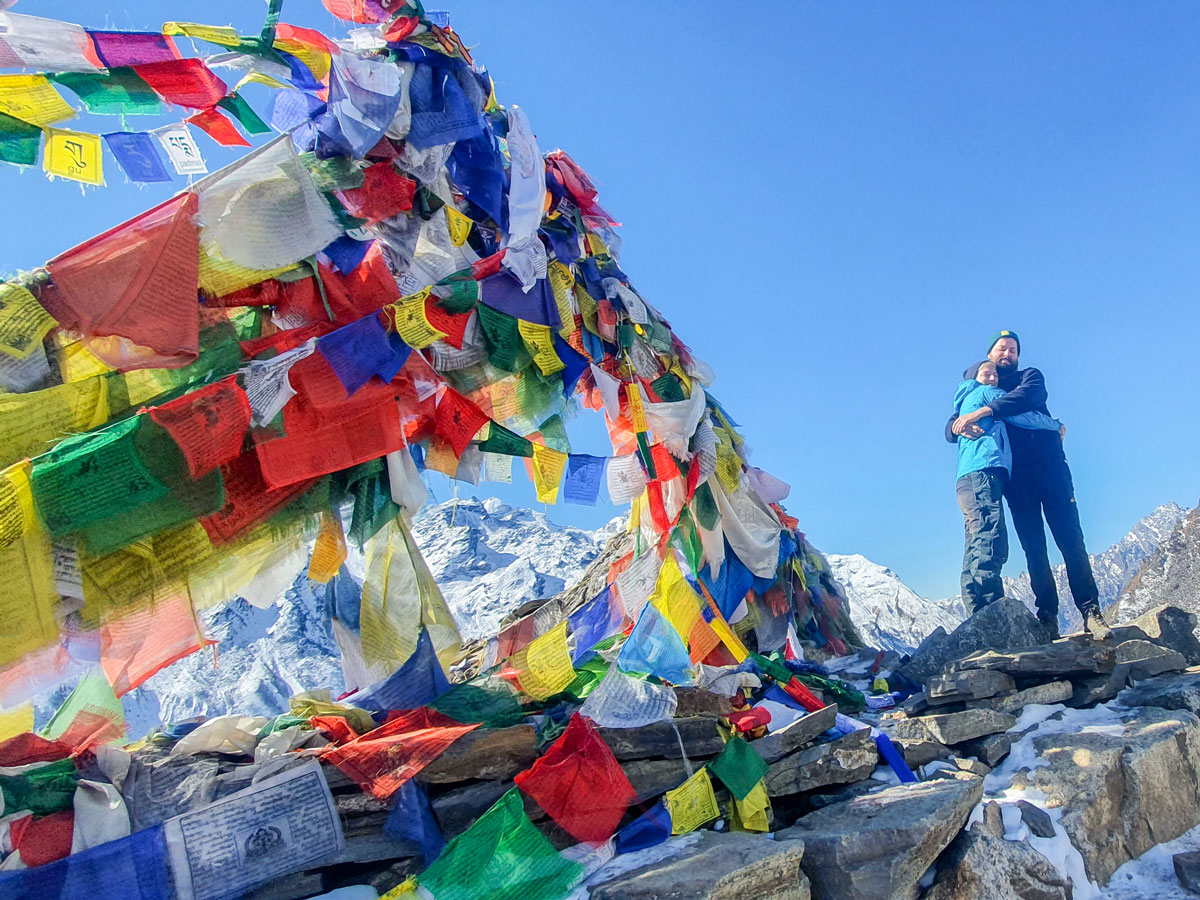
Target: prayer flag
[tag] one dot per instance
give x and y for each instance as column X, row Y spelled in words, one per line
column 114, row 93
column 655, row 648
column 692, row 804
column 181, row 149
column 185, row 82
column 19, row 141
column 458, row 420
column 217, row 127
column 579, row 783
column 245, row 115
column 739, row 767
column 208, row 424
column 597, row 619
column 650, row 828
column 137, row 156
column 130, row 48
column 548, row 468
column 544, row 666
column 75, row 155
column 584, row 474
column 459, row 226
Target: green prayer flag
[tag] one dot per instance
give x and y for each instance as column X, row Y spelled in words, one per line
column 554, row 433
column 338, row 173
column 457, row 296
column 118, row 92
column 705, row 506
column 426, row 203
column 668, row 387
column 495, row 707
column 92, row 695
column 501, row 440
column 502, row 856
column 502, row 338
column 626, row 335
column 237, row 107
column 19, row 141
column 738, row 766
column 44, row 790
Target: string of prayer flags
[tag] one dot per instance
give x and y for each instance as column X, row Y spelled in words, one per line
column 579, row 783
column 380, row 761
column 75, row 155
column 692, row 804
column 543, row 667
column 501, row 856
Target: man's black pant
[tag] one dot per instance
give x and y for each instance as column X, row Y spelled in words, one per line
column 1046, row 489
column 985, row 545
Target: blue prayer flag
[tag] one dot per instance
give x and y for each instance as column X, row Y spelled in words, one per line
column 654, row 647
column 129, row 868
column 593, row 622
column 420, row 680
column 138, row 156
column 361, row 349
column 650, row 828
column 576, row 364
column 346, row 253
column 411, row 819
column 584, row 474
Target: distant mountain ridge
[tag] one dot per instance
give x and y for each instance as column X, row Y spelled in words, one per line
column 1170, row 575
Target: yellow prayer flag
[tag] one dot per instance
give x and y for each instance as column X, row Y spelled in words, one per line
column 261, row 78
column 459, row 226
column 675, row 599
column 596, row 246
column 16, row 721
column 545, row 664
column 412, row 324
column 75, row 362
column 220, row 276
column 440, row 458
column 633, row 394
column 26, row 570
column 403, row 889
column 75, row 155
column 753, row 812
column 548, row 465
column 692, row 803
column 540, row 344
column 31, row 422
column 677, row 370
column 562, row 282
column 33, row 99
column 731, row 641
column 23, row 322
column 329, row 549
column 316, row 58
column 223, row 35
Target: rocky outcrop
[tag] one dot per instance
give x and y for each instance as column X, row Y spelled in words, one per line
column 879, row 845
column 1170, row 575
column 953, row 728
column 846, row 760
column 718, row 867
column 1122, row 793
column 1002, row 625
column 1179, row 691
column 982, row 865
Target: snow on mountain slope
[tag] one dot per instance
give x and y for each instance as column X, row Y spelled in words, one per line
column 887, row 612
column 1169, row 575
column 489, row 561
column 1114, row 568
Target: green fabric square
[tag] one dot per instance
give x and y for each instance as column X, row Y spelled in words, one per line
column 739, row 767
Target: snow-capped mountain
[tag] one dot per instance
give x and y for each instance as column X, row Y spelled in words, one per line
column 487, row 557
column 888, row 613
column 1171, row 574
column 1114, row 568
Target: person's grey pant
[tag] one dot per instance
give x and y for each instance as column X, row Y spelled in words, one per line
column 985, row 548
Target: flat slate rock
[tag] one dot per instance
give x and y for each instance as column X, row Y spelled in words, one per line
column 917, row 753
column 699, row 702
column 980, row 864
column 800, row 733
column 1049, row 661
column 1179, row 691
column 848, row 759
column 1049, row 693
column 733, row 866
column 879, row 845
column 485, row 754
column 1099, row 688
column 990, row 750
column 1147, row 659
column 701, row 736
column 972, row 684
column 1002, row 625
column 1187, row 870
column 1036, row 819
column 953, row 728
column 1170, row 626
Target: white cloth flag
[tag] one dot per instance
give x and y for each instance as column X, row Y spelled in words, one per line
column 751, row 529
column 527, row 193
column 44, row 44
column 675, row 422
column 267, row 386
column 182, row 151
column 636, row 583
column 620, row 701
column 609, row 392
column 625, row 479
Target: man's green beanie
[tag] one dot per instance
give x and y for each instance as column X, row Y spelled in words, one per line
column 1003, row 334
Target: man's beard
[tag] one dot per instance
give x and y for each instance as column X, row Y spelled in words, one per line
column 1006, row 365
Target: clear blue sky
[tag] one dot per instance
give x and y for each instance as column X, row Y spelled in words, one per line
column 835, row 205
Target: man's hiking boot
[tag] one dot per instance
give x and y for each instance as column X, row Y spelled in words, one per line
column 1095, row 625
column 1051, row 626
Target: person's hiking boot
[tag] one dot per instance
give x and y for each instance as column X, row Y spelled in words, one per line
column 1094, row 624
column 1051, row 626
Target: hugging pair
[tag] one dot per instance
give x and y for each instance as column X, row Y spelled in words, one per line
column 1009, row 447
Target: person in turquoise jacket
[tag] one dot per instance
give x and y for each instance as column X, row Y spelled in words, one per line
column 984, row 464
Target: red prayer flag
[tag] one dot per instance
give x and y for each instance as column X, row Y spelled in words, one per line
column 336, row 728
column 23, row 749
column 248, row 499
column 453, row 325
column 457, row 420
column 219, row 128
column 384, row 193
column 43, row 839
column 381, row 761
column 364, row 12
column 138, row 281
column 487, row 266
column 209, row 424
column 579, row 783
column 185, row 82
column 137, row 646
